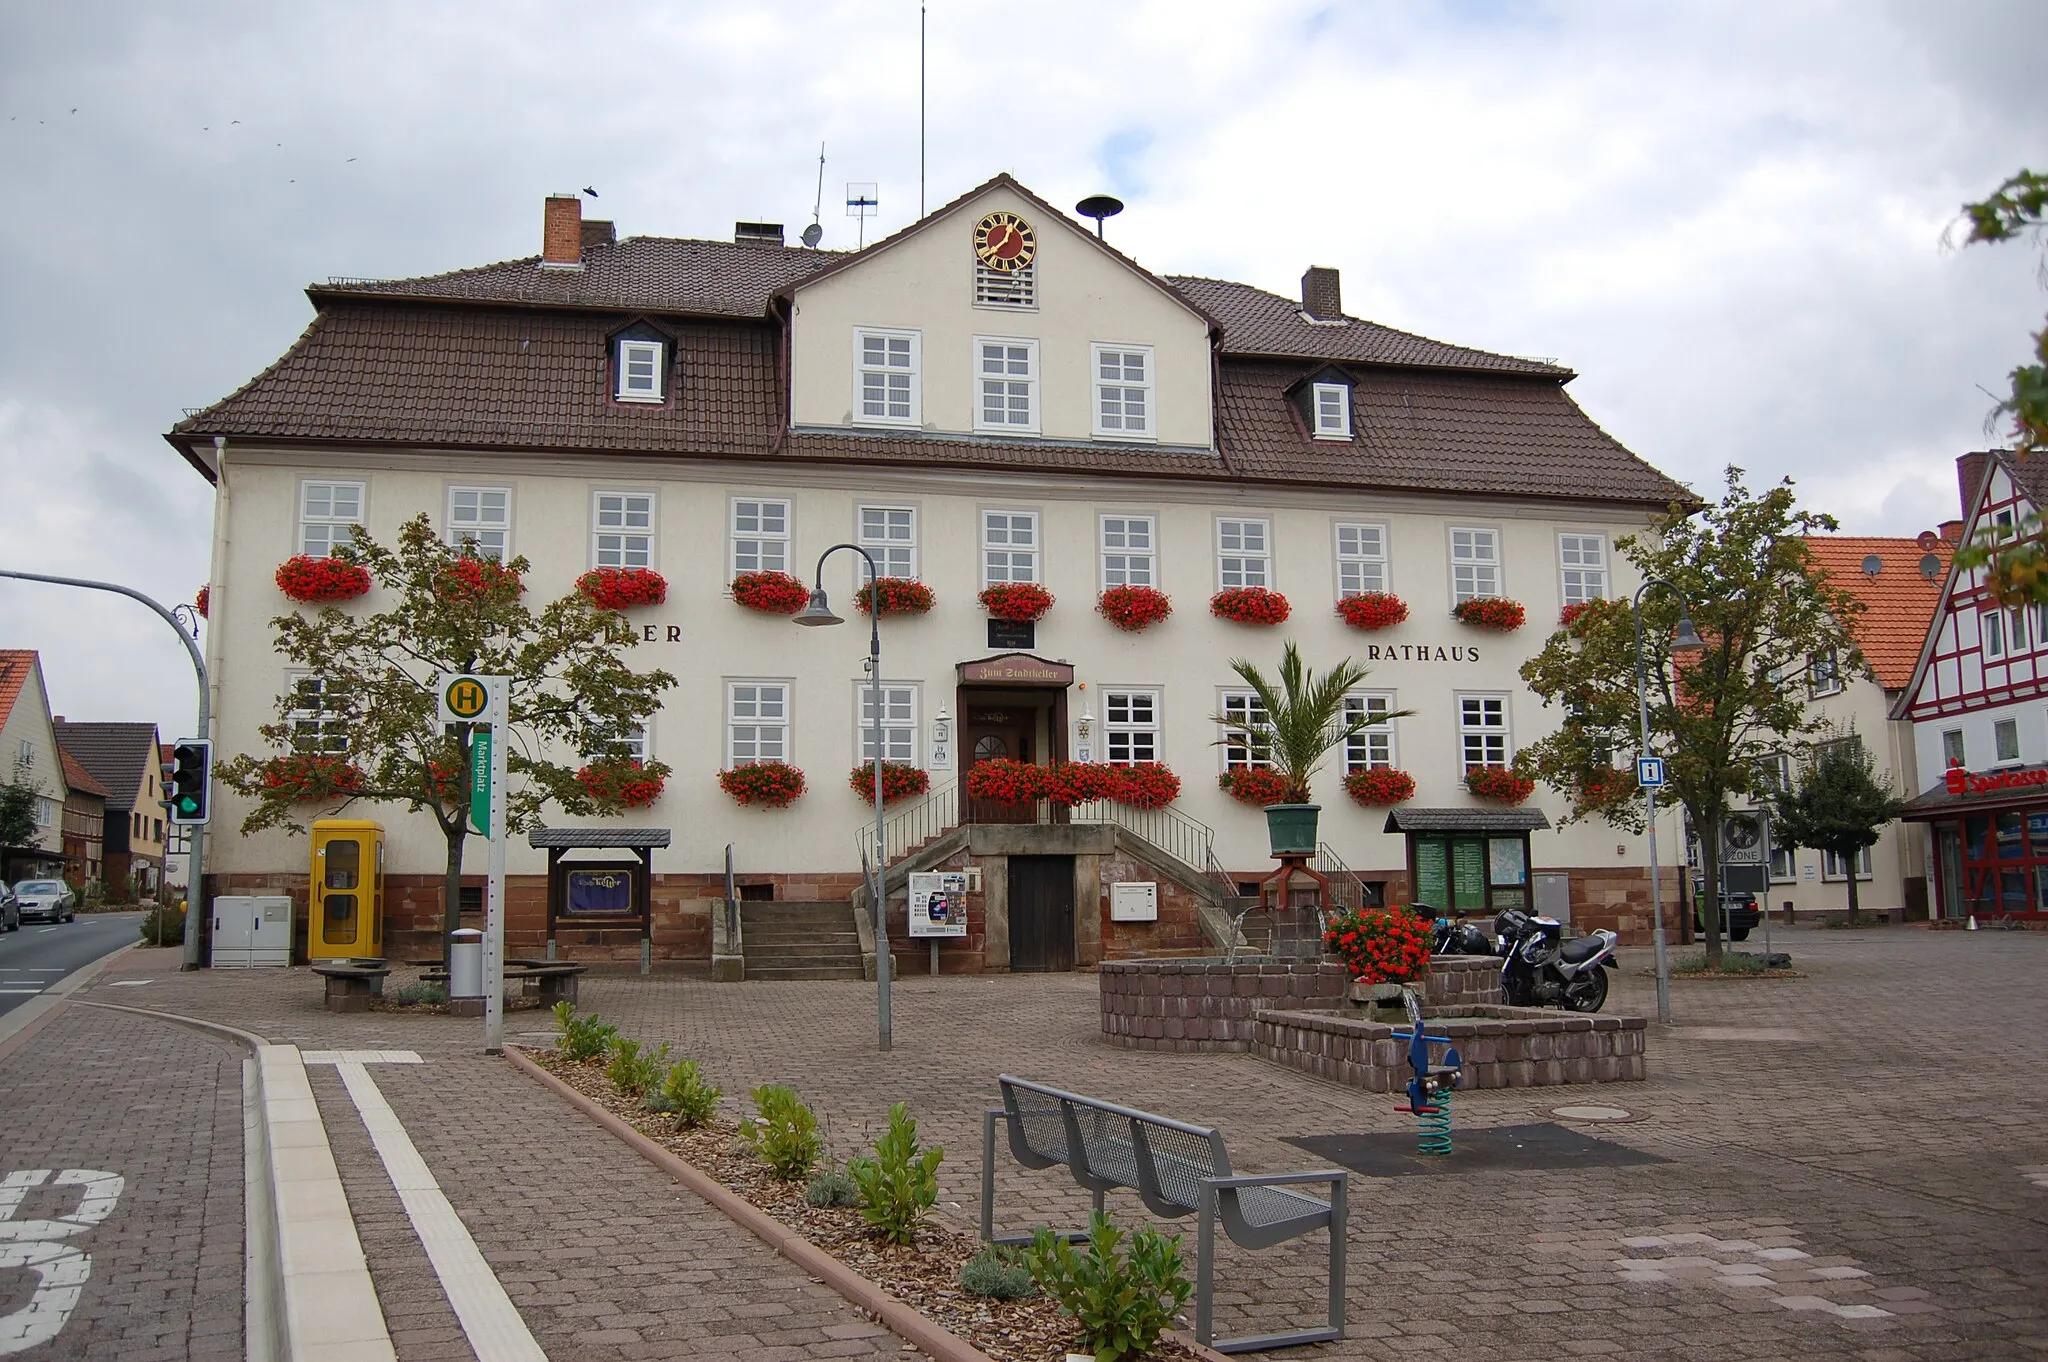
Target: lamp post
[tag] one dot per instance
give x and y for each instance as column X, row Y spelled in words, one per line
column 1684, row 642
column 819, row 612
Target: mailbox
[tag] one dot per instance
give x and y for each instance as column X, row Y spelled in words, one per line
column 346, row 921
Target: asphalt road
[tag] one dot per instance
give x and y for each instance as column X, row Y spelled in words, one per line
column 41, row 953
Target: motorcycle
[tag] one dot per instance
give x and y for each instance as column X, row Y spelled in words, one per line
column 1451, row 937
column 1540, row 968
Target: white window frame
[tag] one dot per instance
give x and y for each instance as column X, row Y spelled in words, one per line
column 1831, row 867
column 1374, row 749
column 330, row 735
column 639, row 351
column 1237, row 565
column 756, row 722
column 901, row 705
column 1991, row 633
column 333, row 529
column 1483, row 732
column 2001, row 729
column 1124, row 562
column 1788, row 858
column 1824, row 674
column 637, row 739
column 1475, row 576
column 1009, row 547
column 1330, row 410
column 862, row 368
column 2016, row 633
column 1361, row 567
column 475, row 529
column 615, row 541
column 1011, row 381
column 1580, row 580
column 1961, row 755
column 1236, row 752
column 763, row 544
column 875, row 529
column 25, row 755
column 1130, row 714
column 1099, row 388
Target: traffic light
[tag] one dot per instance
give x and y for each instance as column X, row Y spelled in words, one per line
column 187, row 781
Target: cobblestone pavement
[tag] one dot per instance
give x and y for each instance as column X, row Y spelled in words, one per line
column 1854, row 1168
column 158, row 1107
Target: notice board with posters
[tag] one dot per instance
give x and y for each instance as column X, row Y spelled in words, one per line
column 938, row 904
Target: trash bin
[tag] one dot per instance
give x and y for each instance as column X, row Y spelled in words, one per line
column 466, row 963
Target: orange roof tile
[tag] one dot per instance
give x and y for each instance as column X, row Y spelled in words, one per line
column 15, row 666
column 1899, row 600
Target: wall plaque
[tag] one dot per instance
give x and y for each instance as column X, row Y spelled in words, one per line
column 1013, row 634
column 1017, row 669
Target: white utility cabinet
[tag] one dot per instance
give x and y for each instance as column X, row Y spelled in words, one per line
column 251, row 931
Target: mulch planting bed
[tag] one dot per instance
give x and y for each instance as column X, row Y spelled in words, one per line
column 924, row 1277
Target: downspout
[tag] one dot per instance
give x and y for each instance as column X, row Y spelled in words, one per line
column 786, row 417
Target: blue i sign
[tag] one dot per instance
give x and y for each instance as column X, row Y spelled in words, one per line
column 1649, row 772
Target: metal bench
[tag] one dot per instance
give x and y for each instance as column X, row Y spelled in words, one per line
column 1176, row 1169
column 351, row 987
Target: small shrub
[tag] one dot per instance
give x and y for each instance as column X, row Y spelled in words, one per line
column 1123, row 1302
column 786, row 1134
column 901, row 1182
column 634, row 1073
column 413, row 995
column 582, row 1039
column 998, row 1272
column 164, row 927
column 831, row 1187
column 684, row 1094
column 1732, row 962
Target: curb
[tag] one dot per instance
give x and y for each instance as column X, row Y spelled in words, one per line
column 906, row 1323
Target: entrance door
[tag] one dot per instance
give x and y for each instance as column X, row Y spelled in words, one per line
column 991, row 735
column 1041, row 913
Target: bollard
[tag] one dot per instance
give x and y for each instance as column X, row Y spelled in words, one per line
column 466, row 963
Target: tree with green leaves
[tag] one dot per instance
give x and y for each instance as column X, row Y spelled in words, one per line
column 1840, row 804
column 18, row 808
column 1299, row 717
column 1773, row 627
column 365, row 724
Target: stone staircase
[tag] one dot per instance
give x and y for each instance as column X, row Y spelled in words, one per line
column 800, row 941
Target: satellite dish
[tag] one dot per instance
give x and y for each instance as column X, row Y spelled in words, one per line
column 1928, row 541
column 1872, row 565
column 813, row 234
column 1930, row 566
column 1099, row 206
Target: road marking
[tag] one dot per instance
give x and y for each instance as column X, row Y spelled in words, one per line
column 360, row 1057
column 489, row 1319
column 20, row 990
column 61, row 1271
column 126, row 983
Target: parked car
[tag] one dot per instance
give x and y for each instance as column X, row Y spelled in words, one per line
column 46, row 901
column 1739, row 912
column 10, row 910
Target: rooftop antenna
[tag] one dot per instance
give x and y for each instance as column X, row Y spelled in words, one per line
column 1099, row 206
column 861, row 203
column 920, row 111
column 815, row 233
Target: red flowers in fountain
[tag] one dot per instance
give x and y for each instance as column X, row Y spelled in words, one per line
column 771, row 593
column 621, row 784
column 1498, row 784
column 1491, row 612
column 900, row 780
column 308, row 776
column 1381, row 945
column 1132, row 608
column 1373, row 610
column 1381, row 787
column 470, row 579
column 1250, row 605
column 1254, row 785
column 610, row 588
column 771, row 784
column 900, row 596
column 1018, row 601
column 1006, row 781
column 315, row 581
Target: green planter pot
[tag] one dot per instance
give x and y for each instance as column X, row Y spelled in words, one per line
column 1292, row 828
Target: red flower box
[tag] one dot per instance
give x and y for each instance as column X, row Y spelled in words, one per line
column 1006, row 781
column 900, row 596
column 1068, row 783
column 771, row 784
column 610, row 588
column 1250, row 605
column 1381, row 946
column 1604, row 790
column 1498, row 784
column 1132, row 608
column 1019, row 601
column 199, row 602
column 621, row 784
column 310, row 777
column 1373, row 610
column 1381, row 788
column 1491, row 612
column 771, row 593
column 1147, row 785
column 900, row 780
column 315, row 581
column 479, row 581
column 1254, row 785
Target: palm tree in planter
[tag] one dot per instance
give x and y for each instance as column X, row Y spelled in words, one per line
column 1297, row 720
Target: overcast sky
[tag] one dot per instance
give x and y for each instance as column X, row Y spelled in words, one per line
column 1727, row 217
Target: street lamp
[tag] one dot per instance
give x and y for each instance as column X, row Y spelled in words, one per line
column 1684, row 642
column 817, row 611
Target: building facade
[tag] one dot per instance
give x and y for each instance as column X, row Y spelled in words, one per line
column 123, row 758
column 85, row 824
column 991, row 396
column 29, row 757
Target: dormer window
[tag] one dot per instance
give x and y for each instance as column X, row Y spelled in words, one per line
column 640, row 371
column 1331, row 404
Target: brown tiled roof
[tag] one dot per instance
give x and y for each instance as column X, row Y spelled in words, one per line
column 1899, row 602
column 77, row 777
column 118, row 755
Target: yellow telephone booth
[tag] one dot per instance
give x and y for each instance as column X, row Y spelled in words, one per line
column 347, row 917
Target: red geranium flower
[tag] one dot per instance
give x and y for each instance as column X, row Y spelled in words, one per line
column 610, row 588
column 1019, row 601
column 771, row 593
column 771, row 784
column 1250, row 605
column 1498, row 784
column 900, row 780
column 1373, row 610
column 1255, row 785
column 1380, row 788
column 319, row 580
column 1006, row 781
column 1491, row 612
column 900, row 596
column 1132, row 608
column 1382, row 945
column 622, row 784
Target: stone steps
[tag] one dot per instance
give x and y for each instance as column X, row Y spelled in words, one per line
column 800, row 941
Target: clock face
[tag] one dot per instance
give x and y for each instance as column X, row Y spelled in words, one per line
column 1004, row 241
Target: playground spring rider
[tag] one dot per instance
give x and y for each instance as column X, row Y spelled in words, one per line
column 1429, row 1092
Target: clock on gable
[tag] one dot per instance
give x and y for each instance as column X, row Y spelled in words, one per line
column 1003, row 241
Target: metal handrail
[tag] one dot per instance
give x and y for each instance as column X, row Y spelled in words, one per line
column 933, row 816
column 1347, row 891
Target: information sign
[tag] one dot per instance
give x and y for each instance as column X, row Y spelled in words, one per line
column 1649, row 772
column 938, row 903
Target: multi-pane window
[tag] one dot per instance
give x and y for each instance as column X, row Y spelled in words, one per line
column 1582, row 558
column 1361, row 559
column 1991, row 626
column 1833, row 867
column 1952, row 747
column 1475, row 564
column 1005, row 385
column 327, row 510
column 1373, row 748
column 2016, row 629
column 890, row 534
column 1127, row 547
column 899, row 722
column 1009, row 547
column 481, row 516
column 756, row 722
column 2005, row 740
column 1123, row 390
column 1130, row 726
column 629, row 743
column 1783, row 868
column 760, row 536
column 639, row 371
column 1244, row 553
column 1483, row 730
column 318, row 716
column 886, row 377
column 622, row 529
column 1243, row 707
column 1824, row 673
column 1332, row 406
column 25, row 755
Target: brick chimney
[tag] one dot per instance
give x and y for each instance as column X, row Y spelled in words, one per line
column 1320, row 296
column 1951, row 530
column 561, row 233
column 1970, row 477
